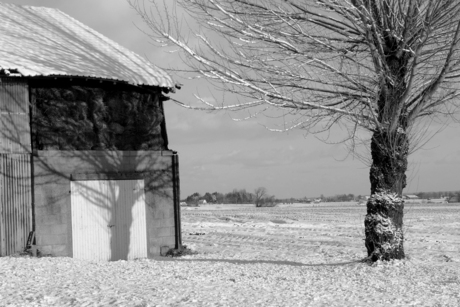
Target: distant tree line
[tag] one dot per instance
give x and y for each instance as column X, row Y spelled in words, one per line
column 260, row 197
column 339, row 198
column 422, row 195
column 434, row 195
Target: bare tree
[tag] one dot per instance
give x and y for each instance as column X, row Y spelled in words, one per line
column 373, row 66
column 259, row 194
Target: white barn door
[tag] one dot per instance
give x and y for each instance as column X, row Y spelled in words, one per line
column 108, row 219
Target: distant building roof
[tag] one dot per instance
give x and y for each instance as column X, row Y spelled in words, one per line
column 39, row 41
column 411, row 196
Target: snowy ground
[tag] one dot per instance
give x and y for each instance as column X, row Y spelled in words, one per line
column 292, row 255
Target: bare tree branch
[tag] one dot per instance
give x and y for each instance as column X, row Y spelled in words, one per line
column 374, row 65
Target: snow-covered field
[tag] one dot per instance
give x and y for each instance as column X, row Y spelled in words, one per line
column 291, row 255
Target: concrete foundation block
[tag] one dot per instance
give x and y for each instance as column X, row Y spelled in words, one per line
column 164, row 250
column 59, row 250
column 154, row 250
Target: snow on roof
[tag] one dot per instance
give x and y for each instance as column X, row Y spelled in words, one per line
column 39, row 41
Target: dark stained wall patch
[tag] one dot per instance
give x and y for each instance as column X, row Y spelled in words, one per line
column 91, row 118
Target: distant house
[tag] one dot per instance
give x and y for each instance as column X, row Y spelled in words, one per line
column 442, row 200
column 454, row 199
column 84, row 159
column 202, row 202
column 414, row 199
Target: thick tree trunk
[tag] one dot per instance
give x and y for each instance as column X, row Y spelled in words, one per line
column 384, row 218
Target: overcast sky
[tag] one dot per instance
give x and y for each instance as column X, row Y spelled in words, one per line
column 219, row 154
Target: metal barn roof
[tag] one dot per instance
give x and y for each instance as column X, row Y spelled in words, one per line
column 39, row 41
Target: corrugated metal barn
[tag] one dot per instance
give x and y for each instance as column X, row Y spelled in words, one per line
column 85, row 168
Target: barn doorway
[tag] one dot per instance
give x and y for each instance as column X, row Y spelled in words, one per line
column 108, row 219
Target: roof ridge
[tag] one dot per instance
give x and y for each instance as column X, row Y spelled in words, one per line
column 42, row 41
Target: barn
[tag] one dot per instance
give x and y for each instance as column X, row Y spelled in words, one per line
column 85, row 168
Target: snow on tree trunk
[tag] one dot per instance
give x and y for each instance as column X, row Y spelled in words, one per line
column 384, row 218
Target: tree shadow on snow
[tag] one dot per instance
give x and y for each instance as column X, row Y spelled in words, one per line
column 276, row 262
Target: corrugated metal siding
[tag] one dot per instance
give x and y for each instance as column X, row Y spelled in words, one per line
column 91, row 215
column 108, row 219
column 130, row 224
column 15, row 202
column 14, row 116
